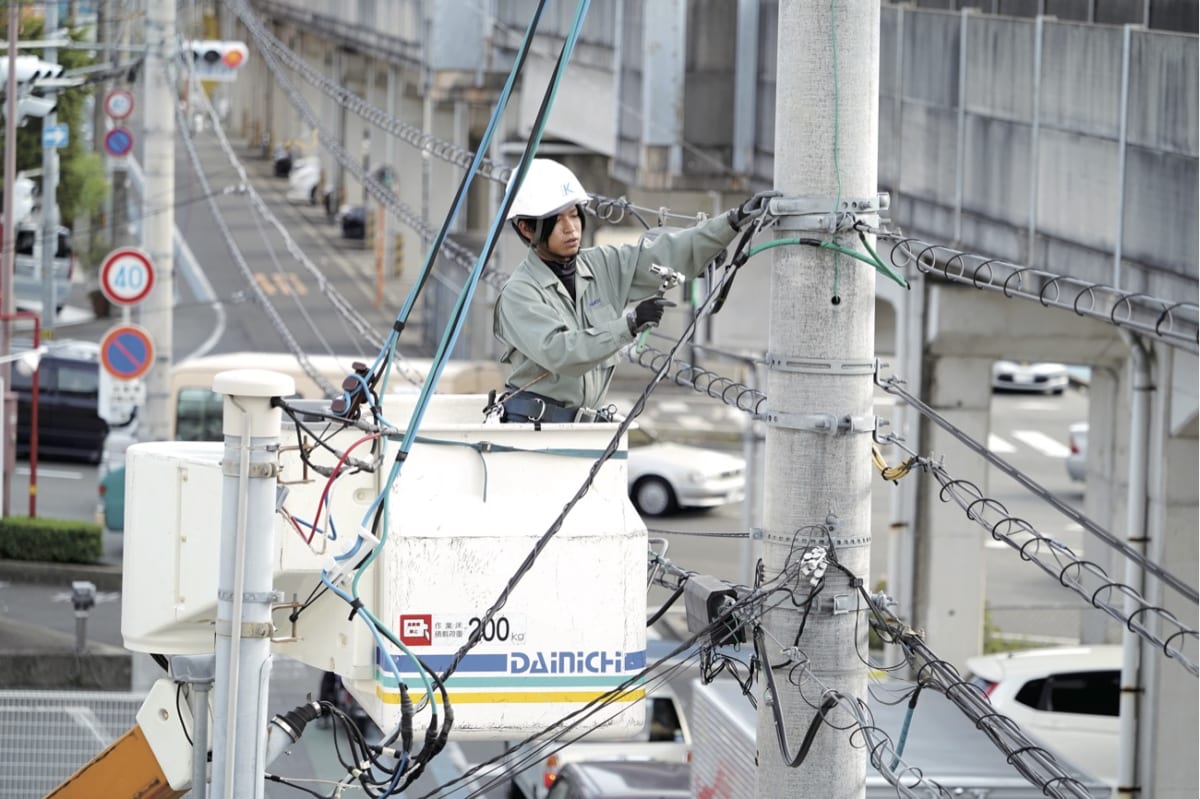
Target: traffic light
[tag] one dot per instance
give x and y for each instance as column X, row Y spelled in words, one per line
column 218, row 60
column 30, row 68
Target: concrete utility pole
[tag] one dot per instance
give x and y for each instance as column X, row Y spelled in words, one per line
column 158, row 216
column 820, row 361
column 8, row 446
column 50, row 299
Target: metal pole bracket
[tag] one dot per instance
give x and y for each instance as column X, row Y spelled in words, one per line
column 824, row 423
column 825, row 214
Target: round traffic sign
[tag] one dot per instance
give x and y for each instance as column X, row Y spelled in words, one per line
column 118, row 103
column 126, row 276
column 118, row 141
column 126, row 352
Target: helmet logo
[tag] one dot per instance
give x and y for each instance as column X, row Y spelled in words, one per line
column 566, row 189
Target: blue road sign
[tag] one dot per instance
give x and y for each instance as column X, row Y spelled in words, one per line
column 118, row 142
column 55, row 135
column 126, row 352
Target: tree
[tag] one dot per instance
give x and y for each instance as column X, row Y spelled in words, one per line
column 82, row 185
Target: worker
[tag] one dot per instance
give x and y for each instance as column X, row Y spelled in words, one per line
column 563, row 316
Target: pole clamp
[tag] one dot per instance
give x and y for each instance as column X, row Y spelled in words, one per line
column 250, row 629
column 819, row 366
column 824, row 423
column 232, row 468
column 252, row 598
column 825, row 214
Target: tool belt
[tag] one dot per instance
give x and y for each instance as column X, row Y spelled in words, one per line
column 525, row 406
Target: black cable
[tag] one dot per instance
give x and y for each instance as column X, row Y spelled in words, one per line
column 828, row 704
column 285, row 781
column 671, row 600
column 179, row 714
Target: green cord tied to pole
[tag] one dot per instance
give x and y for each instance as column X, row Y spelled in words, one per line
column 873, row 260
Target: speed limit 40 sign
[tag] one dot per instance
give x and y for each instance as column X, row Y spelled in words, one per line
column 126, row 276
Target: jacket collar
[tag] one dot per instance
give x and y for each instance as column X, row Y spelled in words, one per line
column 539, row 273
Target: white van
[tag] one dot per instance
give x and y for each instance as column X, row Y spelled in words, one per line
column 27, row 267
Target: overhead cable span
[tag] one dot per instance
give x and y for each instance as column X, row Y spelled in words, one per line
column 455, row 252
column 276, row 320
column 1174, row 323
column 610, row 209
column 1087, row 579
column 894, row 386
column 1032, row 761
column 729, row 391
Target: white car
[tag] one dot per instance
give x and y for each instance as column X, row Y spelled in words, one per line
column 303, row 180
column 1077, row 435
column 1045, row 378
column 665, row 477
column 665, row 738
column 1067, row 698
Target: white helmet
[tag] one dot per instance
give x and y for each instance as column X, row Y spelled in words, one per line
column 549, row 189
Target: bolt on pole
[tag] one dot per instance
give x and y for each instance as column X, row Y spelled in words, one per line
column 820, row 361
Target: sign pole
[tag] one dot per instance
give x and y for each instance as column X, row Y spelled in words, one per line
column 50, row 195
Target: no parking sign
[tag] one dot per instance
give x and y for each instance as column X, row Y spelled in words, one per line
column 126, row 352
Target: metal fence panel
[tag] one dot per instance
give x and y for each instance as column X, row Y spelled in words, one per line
column 45, row 736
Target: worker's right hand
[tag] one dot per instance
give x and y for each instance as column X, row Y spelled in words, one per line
column 648, row 313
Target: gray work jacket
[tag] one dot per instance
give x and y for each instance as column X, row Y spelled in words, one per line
column 577, row 342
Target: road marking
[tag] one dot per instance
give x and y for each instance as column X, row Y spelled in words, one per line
column 1042, row 443
column 999, row 446
column 264, row 283
column 57, row 474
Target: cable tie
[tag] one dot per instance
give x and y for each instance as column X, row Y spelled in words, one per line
column 398, row 326
column 366, row 535
column 356, row 605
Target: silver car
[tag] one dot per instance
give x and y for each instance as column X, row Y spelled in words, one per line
column 665, row 477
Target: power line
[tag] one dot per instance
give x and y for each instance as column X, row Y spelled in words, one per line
column 346, row 310
column 1032, row 761
column 1174, row 323
column 893, row 385
column 611, row 209
column 276, row 321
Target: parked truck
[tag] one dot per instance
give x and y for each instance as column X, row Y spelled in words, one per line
column 941, row 742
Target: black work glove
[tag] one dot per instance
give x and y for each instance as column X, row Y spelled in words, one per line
column 648, row 313
column 753, row 208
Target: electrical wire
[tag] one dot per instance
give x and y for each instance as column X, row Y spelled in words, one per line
column 894, row 386
column 1033, row 762
column 276, row 320
column 1176, row 323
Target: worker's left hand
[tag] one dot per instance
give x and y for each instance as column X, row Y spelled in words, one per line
column 753, row 208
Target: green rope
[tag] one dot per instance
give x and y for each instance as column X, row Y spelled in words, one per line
column 837, row 165
column 873, row 260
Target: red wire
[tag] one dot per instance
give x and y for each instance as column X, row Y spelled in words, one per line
column 329, row 483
